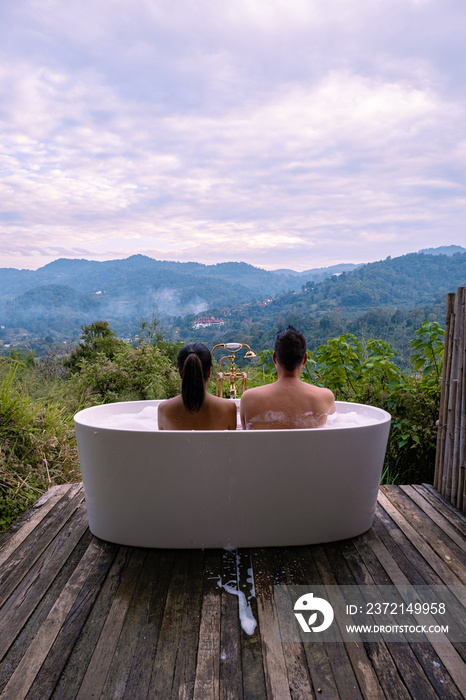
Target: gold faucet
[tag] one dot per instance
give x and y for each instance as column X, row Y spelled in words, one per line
column 233, row 374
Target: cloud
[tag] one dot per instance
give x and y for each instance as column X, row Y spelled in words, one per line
column 249, row 130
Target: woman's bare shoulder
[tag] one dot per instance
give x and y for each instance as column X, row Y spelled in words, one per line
column 221, row 403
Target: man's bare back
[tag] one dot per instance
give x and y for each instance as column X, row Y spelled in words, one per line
column 284, row 405
column 287, row 403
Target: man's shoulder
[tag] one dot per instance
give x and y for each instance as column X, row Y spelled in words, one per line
column 256, row 390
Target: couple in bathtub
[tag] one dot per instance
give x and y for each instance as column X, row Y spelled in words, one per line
column 287, row 403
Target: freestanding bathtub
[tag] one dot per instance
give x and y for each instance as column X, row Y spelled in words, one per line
column 244, row 488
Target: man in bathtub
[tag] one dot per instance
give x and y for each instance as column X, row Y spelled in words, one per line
column 289, row 402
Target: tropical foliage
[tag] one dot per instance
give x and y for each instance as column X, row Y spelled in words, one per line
column 38, row 399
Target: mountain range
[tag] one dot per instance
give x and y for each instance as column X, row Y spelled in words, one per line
column 68, row 293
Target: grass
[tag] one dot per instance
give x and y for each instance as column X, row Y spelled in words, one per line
column 37, row 447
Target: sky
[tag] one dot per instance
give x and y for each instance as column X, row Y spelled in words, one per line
column 282, row 133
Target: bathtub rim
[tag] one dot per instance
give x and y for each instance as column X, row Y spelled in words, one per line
column 80, row 419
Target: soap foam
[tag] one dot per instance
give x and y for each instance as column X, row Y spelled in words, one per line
column 349, row 420
column 246, row 616
column 146, row 420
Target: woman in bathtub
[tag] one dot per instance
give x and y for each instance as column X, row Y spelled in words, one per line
column 195, row 408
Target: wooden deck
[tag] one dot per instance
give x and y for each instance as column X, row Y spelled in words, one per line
column 82, row 618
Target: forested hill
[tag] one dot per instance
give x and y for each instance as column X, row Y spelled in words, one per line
column 62, row 296
column 140, row 275
column 386, row 299
column 407, row 281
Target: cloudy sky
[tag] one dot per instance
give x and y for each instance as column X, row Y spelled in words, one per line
column 285, row 133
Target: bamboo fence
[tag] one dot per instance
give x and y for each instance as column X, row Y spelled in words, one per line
column 450, row 461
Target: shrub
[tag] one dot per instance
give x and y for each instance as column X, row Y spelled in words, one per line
column 37, row 448
column 143, row 372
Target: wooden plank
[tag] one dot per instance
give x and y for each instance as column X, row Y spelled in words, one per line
column 409, row 666
column 132, row 626
column 349, row 570
column 231, row 681
column 63, row 645
column 23, row 600
column 251, row 650
column 23, row 558
column 35, row 621
column 164, row 660
column 366, row 677
column 57, row 637
column 96, row 674
column 447, row 576
column 282, row 564
column 447, row 550
column 21, row 528
column 158, row 568
column 300, row 569
column 29, row 666
column 276, row 679
column 452, row 514
column 457, row 537
column 403, row 666
column 185, row 669
column 442, row 647
column 83, row 650
column 207, row 680
column 411, row 562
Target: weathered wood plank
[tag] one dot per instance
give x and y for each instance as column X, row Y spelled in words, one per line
column 251, row 650
column 403, row 655
column 364, row 673
column 295, row 658
column 59, row 654
column 276, row 679
column 231, row 681
column 410, row 561
column 443, row 649
column 449, row 512
column 446, row 574
column 301, row 570
column 23, row 600
column 158, row 569
column 134, row 623
column 446, row 548
column 207, row 680
column 22, row 559
column 164, row 662
column 185, row 669
column 96, row 674
column 436, row 517
column 91, row 619
column 83, row 650
column 21, row 681
column 349, row 570
column 33, row 624
column 21, row 528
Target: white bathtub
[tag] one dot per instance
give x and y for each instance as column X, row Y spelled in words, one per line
column 254, row 488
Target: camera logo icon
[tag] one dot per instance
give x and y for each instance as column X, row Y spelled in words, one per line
column 308, row 603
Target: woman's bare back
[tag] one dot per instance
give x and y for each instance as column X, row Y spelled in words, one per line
column 215, row 414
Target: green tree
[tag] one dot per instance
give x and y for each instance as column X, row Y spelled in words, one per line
column 97, row 338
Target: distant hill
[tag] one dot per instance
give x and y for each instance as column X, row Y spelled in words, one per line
column 444, row 250
column 320, row 273
column 405, row 282
column 65, row 294
column 139, row 287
